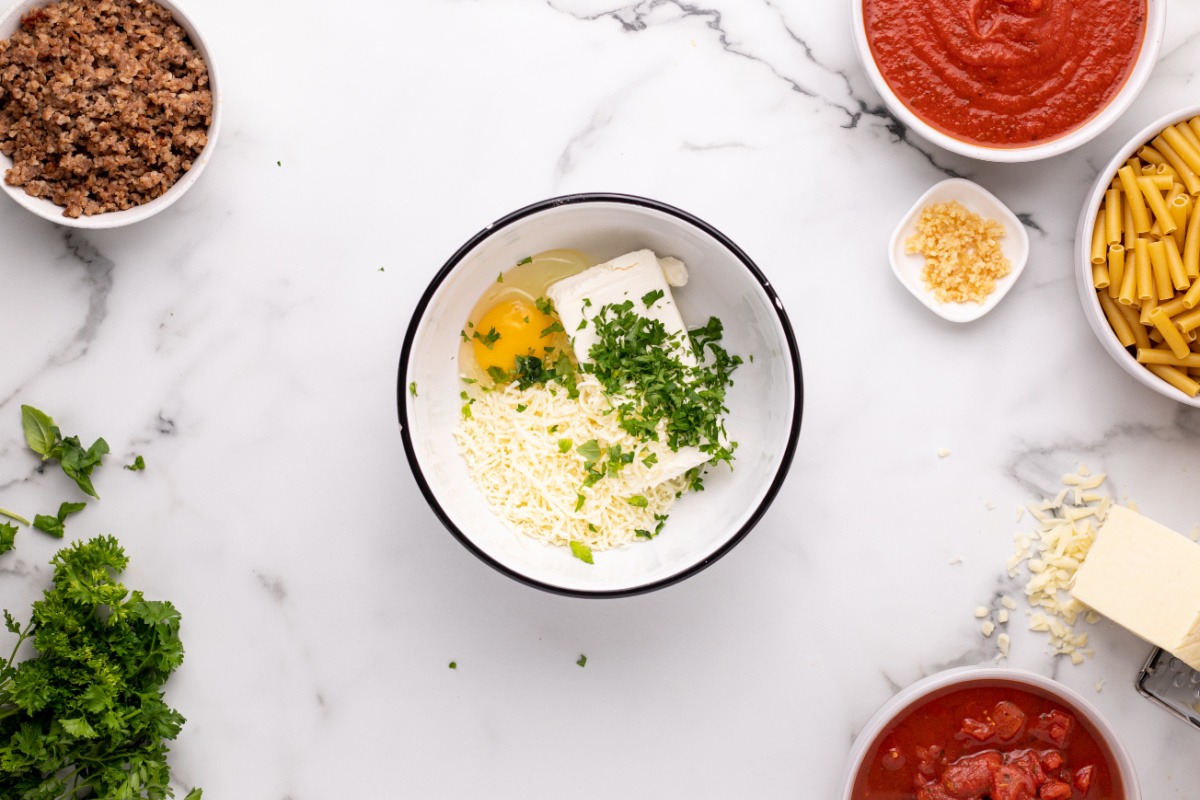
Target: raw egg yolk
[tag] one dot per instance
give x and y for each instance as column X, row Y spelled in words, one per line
column 509, row 329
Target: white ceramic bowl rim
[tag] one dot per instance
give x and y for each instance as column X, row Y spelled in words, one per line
column 1139, row 73
column 915, row 693
column 1083, row 274
column 406, row 352
column 48, row 210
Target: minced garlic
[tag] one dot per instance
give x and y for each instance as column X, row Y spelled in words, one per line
column 963, row 259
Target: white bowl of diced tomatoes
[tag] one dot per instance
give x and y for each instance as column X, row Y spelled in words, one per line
column 985, row 732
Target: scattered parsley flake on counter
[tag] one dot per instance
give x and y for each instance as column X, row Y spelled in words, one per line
column 45, row 439
column 582, row 660
column 13, row 516
column 652, row 297
column 582, row 552
column 85, row 714
column 381, row 269
column 8, row 536
column 138, row 465
column 525, row 260
column 453, row 665
column 279, row 163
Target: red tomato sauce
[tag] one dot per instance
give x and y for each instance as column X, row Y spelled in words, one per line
column 1005, row 72
column 995, row 742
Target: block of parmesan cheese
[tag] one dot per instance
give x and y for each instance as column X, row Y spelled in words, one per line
column 1145, row 577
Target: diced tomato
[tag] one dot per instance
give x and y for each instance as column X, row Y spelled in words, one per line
column 1030, row 762
column 932, row 792
column 971, row 776
column 1083, row 778
column 1055, row 790
column 1009, row 720
column 1056, row 727
column 1013, row 783
column 1052, row 760
column 978, row 730
column 928, row 759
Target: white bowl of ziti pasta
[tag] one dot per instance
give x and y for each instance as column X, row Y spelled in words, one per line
column 599, row 395
column 1138, row 247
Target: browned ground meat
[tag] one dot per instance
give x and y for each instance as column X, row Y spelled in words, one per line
column 104, row 104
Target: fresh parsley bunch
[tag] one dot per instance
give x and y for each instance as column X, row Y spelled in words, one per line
column 87, row 712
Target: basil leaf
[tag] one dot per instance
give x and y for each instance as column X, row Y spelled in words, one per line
column 48, row 524
column 41, row 434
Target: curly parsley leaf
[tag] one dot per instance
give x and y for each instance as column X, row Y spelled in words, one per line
column 582, row 552
column 582, row 661
column 85, row 716
column 8, row 536
column 138, row 465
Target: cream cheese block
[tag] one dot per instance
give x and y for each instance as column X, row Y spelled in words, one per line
column 1145, row 577
column 628, row 277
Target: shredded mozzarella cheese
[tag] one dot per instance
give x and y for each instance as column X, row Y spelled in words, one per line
column 533, row 483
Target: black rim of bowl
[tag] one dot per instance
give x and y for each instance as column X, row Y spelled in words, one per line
column 578, row 199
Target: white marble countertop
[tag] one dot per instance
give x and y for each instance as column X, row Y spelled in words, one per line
column 245, row 342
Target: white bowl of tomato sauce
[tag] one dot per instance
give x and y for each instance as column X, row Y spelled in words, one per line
column 986, row 732
column 1008, row 80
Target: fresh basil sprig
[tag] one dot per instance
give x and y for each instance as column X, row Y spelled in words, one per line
column 45, row 439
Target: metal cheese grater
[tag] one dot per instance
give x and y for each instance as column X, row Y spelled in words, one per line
column 1172, row 684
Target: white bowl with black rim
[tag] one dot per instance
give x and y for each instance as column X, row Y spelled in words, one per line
column 10, row 21
column 765, row 402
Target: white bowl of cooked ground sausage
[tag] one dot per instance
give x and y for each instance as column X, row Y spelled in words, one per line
column 112, row 124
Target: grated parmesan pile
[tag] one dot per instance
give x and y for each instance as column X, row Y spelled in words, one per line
column 533, row 485
column 963, row 258
column 1066, row 529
